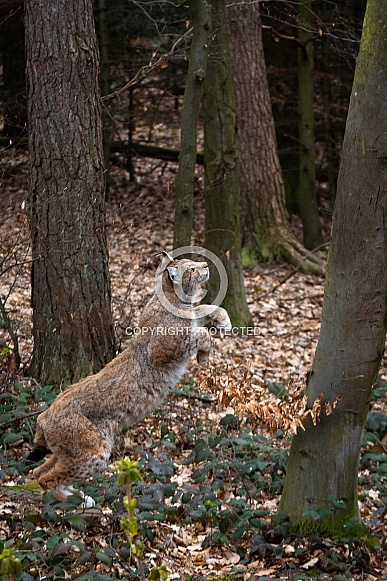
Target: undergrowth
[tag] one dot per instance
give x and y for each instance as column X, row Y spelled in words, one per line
column 209, row 481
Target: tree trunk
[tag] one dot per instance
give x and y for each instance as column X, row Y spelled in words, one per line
column 312, row 236
column 201, row 12
column 72, row 325
column 266, row 231
column 104, row 81
column 323, row 464
column 329, row 141
column 222, row 223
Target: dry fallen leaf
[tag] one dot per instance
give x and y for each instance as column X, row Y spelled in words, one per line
column 310, row 563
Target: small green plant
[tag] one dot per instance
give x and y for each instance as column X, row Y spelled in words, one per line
column 127, row 475
column 10, row 566
column 158, row 573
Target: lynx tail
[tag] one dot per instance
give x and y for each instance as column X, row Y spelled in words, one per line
column 37, row 454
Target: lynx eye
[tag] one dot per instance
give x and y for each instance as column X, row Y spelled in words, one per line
column 193, row 269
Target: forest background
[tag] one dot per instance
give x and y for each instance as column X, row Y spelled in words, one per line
column 310, row 52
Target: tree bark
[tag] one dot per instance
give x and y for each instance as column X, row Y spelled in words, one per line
column 72, row 325
column 222, row 222
column 307, row 198
column 323, row 464
column 201, row 12
column 265, row 226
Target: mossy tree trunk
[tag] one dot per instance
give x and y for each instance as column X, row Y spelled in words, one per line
column 72, row 324
column 307, row 198
column 265, row 225
column 222, row 222
column 324, row 460
column 201, row 13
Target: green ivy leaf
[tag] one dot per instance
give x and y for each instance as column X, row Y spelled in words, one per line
column 77, row 522
column 49, row 513
column 12, row 437
column 48, row 497
column 84, row 558
column 52, row 541
column 102, row 556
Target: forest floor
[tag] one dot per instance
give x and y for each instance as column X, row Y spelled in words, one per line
column 211, row 481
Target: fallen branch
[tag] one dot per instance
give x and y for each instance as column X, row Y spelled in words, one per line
column 152, row 151
column 295, row 270
column 194, row 395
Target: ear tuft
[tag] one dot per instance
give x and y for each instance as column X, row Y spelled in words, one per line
column 166, row 255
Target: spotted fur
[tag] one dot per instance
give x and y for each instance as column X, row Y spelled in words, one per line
column 80, row 427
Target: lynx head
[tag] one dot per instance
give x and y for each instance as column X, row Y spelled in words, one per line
column 185, row 278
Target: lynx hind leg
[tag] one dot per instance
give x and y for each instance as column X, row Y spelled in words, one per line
column 69, row 469
column 82, row 450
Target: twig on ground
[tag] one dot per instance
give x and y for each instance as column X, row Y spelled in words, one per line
column 194, row 395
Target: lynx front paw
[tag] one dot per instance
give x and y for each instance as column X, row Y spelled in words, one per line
column 62, row 492
column 221, row 320
column 88, row 501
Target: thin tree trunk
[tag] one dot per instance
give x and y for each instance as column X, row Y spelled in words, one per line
column 201, row 12
column 72, row 325
column 104, row 81
column 131, row 127
column 331, row 155
column 323, row 465
column 223, row 232
column 329, row 145
column 312, row 236
column 266, row 230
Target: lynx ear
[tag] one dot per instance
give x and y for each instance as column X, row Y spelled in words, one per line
column 166, row 255
column 172, row 271
column 165, row 260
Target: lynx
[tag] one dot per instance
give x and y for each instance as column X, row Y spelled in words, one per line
column 79, row 428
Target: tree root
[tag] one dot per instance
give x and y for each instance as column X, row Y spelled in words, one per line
column 280, row 245
column 297, row 255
